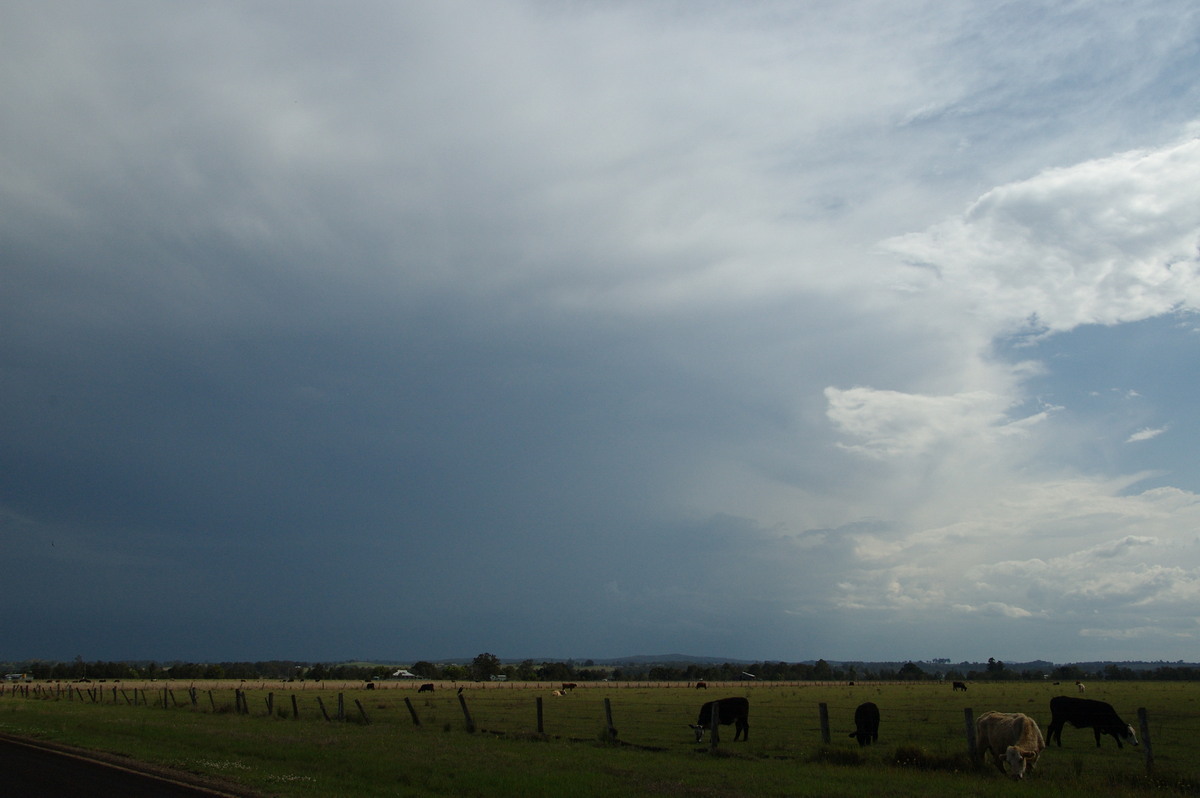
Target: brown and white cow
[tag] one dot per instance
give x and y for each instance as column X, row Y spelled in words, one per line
column 1009, row 737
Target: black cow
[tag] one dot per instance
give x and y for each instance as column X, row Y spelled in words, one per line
column 866, row 723
column 569, row 686
column 425, row 688
column 1084, row 713
column 959, row 686
column 701, row 686
column 734, row 710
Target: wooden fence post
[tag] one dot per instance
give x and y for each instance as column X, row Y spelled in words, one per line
column 466, row 713
column 823, row 711
column 539, row 715
column 321, row 704
column 362, row 712
column 270, row 704
column 412, row 711
column 295, row 708
column 969, row 719
column 1144, row 725
column 341, row 710
column 612, row 730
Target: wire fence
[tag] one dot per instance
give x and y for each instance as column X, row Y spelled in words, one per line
column 800, row 720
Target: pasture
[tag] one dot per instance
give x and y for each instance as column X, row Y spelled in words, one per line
column 378, row 750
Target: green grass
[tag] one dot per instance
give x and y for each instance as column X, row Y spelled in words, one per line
column 921, row 749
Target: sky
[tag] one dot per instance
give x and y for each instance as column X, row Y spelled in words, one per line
column 838, row 329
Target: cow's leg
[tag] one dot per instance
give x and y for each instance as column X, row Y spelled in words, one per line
column 1055, row 731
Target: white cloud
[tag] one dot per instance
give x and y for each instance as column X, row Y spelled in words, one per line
column 997, row 608
column 1105, row 241
column 1145, row 434
column 893, row 423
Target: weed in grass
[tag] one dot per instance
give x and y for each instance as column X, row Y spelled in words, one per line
column 836, row 756
column 911, row 756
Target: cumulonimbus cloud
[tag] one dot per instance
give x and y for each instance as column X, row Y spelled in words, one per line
column 1105, row 241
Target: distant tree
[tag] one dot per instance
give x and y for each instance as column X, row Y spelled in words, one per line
column 822, row 672
column 555, row 671
column 426, row 670
column 1114, row 671
column 526, row 671
column 485, row 666
column 998, row 671
column 910, row 671
column 456, row 672
column 1067, row 673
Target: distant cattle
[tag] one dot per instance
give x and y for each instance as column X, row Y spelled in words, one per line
column 735, row 710
column 866, row 723
column 1013, row 738
column 959, row 686
column 569, row 686
column 701, row 686
column 1084, row 713
column 426, row 688
column 1079, row 686
column 370, row 685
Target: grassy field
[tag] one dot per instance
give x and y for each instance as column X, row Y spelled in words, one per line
column 922, row 747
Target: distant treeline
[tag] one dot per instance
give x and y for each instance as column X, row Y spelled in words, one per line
column 486, row 665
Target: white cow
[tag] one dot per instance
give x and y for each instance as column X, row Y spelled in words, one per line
column 1014, row 738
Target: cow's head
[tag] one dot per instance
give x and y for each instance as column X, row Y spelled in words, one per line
column 1019, row 761
column 699, row 732
column 1129, row 736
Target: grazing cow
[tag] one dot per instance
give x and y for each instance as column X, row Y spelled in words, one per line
column 426, row 688
column 569, row 686
column 1012, row 738
column 701, row 686
column 1083, row 713
column 734, row 710
column 866, row 723
column 1080, row 687
column 959, row 686
column 370, row 685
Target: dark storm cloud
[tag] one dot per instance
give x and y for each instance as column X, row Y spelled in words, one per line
column 552, row 330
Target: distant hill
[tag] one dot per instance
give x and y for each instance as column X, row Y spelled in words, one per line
column 671, row 659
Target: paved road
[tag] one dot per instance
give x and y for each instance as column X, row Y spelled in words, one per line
column 33, row 770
